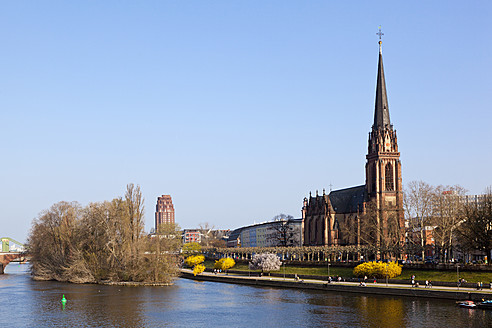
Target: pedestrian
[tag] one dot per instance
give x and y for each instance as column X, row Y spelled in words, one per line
column 365, row 278
column 427, row 284
column 430, row 284
column 375, row 281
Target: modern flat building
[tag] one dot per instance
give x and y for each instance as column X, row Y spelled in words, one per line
column 282, row 233
column 164, row 211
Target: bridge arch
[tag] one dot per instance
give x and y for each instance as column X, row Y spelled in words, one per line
column 10, row 252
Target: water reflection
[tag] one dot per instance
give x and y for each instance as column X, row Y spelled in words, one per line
column 26, row 303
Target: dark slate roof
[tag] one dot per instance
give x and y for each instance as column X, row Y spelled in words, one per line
column 348, row 200
column 381, row 111
column 235, row 233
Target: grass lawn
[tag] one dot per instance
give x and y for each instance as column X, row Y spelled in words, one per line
column 433, row 275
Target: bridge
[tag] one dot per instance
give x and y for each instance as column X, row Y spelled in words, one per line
column 11, row 250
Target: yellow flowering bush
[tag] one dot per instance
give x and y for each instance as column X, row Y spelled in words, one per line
column 194, row 260
column 378, row 270
column 198, row 269
column 224, row 264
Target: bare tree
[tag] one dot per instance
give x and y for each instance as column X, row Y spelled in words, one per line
column 103, row 241
column 285, row 232
column 418, row 204
column 447, row 210
column 206, row 230
column 380, row 231
column 475, row 230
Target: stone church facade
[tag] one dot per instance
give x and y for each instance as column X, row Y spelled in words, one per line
column 371, row 213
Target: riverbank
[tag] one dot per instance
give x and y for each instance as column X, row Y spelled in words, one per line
column 311, row 271
column 441, row 292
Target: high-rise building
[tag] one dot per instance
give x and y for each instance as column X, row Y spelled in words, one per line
column 164, row 211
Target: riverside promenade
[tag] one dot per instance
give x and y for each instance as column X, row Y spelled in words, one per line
column 439, row 292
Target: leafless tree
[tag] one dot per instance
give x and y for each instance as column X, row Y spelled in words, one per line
column 285, row 232
column 418, row 204
column 475, row 229
column 446, row 216
column 103, row 241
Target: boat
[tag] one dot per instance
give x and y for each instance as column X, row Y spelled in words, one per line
column 467, row 304
column 485, row 304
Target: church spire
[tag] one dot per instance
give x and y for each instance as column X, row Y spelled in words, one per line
column 381, row 111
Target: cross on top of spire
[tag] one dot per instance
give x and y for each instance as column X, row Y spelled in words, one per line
column 380, row 34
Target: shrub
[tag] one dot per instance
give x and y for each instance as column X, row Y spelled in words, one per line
column 224, row 264
column 194, row 260
column 378, row 270
column 198, row 269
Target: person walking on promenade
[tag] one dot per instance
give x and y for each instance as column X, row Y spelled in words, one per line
column 427, row 284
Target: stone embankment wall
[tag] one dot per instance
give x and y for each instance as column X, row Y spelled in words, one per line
column 486, row 285
column 416, row 266
column 334, row 287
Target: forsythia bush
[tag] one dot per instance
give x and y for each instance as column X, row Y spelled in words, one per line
column 198, row 269
column 194, row 260
column 224, row 264
column 378, row 270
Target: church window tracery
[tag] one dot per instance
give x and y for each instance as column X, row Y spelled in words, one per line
column 388, row 174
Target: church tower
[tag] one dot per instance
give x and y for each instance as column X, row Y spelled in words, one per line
column 383, row 169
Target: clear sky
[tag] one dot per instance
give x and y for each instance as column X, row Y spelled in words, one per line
column 237, row 109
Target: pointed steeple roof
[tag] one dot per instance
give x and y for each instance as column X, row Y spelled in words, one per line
column 381, row 111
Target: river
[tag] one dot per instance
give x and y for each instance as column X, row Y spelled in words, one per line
column 28, row 303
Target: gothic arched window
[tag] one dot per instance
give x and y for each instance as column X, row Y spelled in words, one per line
column 388, row 175
column 373, row 177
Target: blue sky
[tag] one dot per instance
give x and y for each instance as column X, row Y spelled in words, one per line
column 237, row 109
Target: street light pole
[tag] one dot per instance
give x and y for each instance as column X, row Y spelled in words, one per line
column 458, row 274
column 386, row 274
column 284, row 269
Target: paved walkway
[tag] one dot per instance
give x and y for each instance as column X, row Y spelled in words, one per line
column 344, row 283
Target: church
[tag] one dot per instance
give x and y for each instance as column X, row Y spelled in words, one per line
column 370, row 214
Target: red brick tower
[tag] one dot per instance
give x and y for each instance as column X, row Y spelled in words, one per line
column 164, row 211
column 383, row 168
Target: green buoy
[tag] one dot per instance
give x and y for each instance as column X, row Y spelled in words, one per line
column 64, row 301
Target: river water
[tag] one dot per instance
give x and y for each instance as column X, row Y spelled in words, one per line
column 27, row 303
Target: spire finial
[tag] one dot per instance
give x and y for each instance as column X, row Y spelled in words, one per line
column 380, row 34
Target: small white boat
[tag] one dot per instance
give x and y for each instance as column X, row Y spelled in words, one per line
column 466, row 304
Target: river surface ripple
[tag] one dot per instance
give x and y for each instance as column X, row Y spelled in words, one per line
column 28, row 303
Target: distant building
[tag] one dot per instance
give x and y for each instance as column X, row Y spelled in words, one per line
column 268, row 234
column 164, row 211
column 191, row 236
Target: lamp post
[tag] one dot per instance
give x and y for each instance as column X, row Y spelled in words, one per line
column 328, row 266
column 386, row 274
column 284, row 269
column 458, row 274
